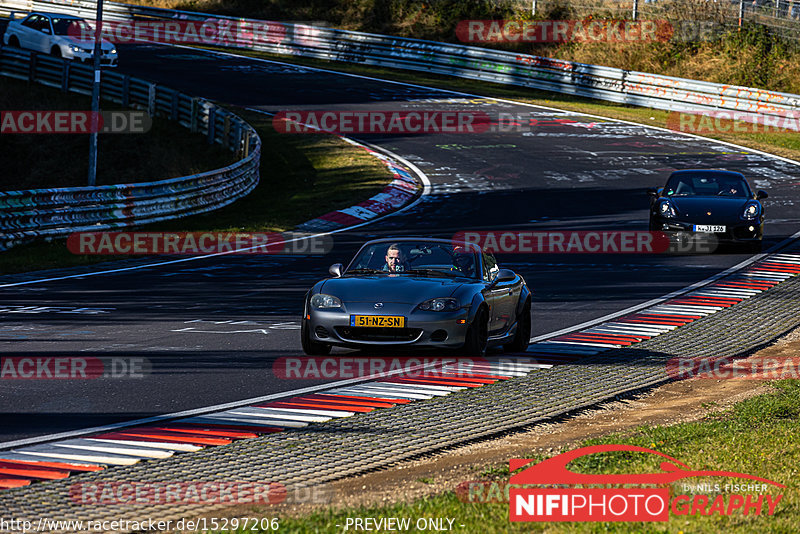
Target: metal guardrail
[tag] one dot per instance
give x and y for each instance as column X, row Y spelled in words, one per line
column 593, row 81
column 48, row 213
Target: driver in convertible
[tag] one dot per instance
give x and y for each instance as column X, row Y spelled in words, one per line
column 395, row 260
column 463, row 260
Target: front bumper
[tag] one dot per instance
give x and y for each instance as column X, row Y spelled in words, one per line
column 738, row 232
column 106, row 59
column 422, row 328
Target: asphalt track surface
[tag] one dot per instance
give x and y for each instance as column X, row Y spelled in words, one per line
column 207, row 332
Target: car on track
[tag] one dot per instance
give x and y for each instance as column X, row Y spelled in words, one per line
column 418, row 292
column 59, row 35
column 709, row 201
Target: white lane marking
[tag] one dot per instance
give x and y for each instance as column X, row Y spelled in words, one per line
column 9, row 455
column 85, row 457
column 772, row 273
column 560, row 346
column 426, row 189
column 246, row 419
column 311, row 411
column 394, row 393
column 86, row 445
column 400, row 389
column 428, row 386
column 182, row 447
column 277, row 414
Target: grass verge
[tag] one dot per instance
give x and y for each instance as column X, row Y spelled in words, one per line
column 732, row 440
column 43, row 161
column 302, row 176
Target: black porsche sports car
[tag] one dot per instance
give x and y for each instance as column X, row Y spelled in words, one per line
column 418, row 292
column 711, row 202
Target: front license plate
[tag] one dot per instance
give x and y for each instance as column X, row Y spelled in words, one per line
column 709, row 228
column 385, row 321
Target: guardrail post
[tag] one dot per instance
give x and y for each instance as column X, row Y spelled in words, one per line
column 151, row 99
column 226, row 132
column 246, row 144
column 212, row 119
column 175, row 103
column 194, row 114
column 635, row 9
column 238, row 136
column 32, row 67
column 126, row 90
column 65, row 77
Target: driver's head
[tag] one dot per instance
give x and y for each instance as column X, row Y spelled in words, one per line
column 394, row 257
column 462, row 259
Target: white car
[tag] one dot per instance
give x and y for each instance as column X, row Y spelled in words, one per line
column 58, row 35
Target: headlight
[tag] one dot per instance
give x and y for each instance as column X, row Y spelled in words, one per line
column 751, row 211
column 75, row 48
column 665, row 208
column 440, row 304
column 321, row 301
column 113, row 51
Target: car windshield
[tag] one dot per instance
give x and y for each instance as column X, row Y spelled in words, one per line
column 73, row 27
column 426, row 258
column 707, row 185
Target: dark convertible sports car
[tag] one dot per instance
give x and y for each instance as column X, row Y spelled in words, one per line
column 712, row 202
column 418, row 292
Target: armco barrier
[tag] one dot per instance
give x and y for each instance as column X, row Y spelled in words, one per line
column 605, row 83
column 48, row 213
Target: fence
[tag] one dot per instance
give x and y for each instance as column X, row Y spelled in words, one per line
column 48, row 213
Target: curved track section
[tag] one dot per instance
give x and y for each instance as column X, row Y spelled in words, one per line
column 209, row 331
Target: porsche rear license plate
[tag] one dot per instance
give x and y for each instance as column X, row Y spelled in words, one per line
column 385, row 321
column 709, row 228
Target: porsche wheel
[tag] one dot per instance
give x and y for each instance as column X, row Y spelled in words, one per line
column 477, row 335
column 523, row 334
column 311, row 347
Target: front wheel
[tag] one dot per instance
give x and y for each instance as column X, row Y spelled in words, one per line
column 311, row 347
column 477, row 335
column 55, row 52
column 13, row 41
column 522, row 336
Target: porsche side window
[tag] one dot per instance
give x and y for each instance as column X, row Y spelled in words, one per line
column 490, row 267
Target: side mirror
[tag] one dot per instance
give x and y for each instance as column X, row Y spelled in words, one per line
column 504, row 275
column 46, row 30
column 335, row 270
column 761, row 195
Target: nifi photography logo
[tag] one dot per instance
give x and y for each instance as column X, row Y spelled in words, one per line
column 618, row 503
